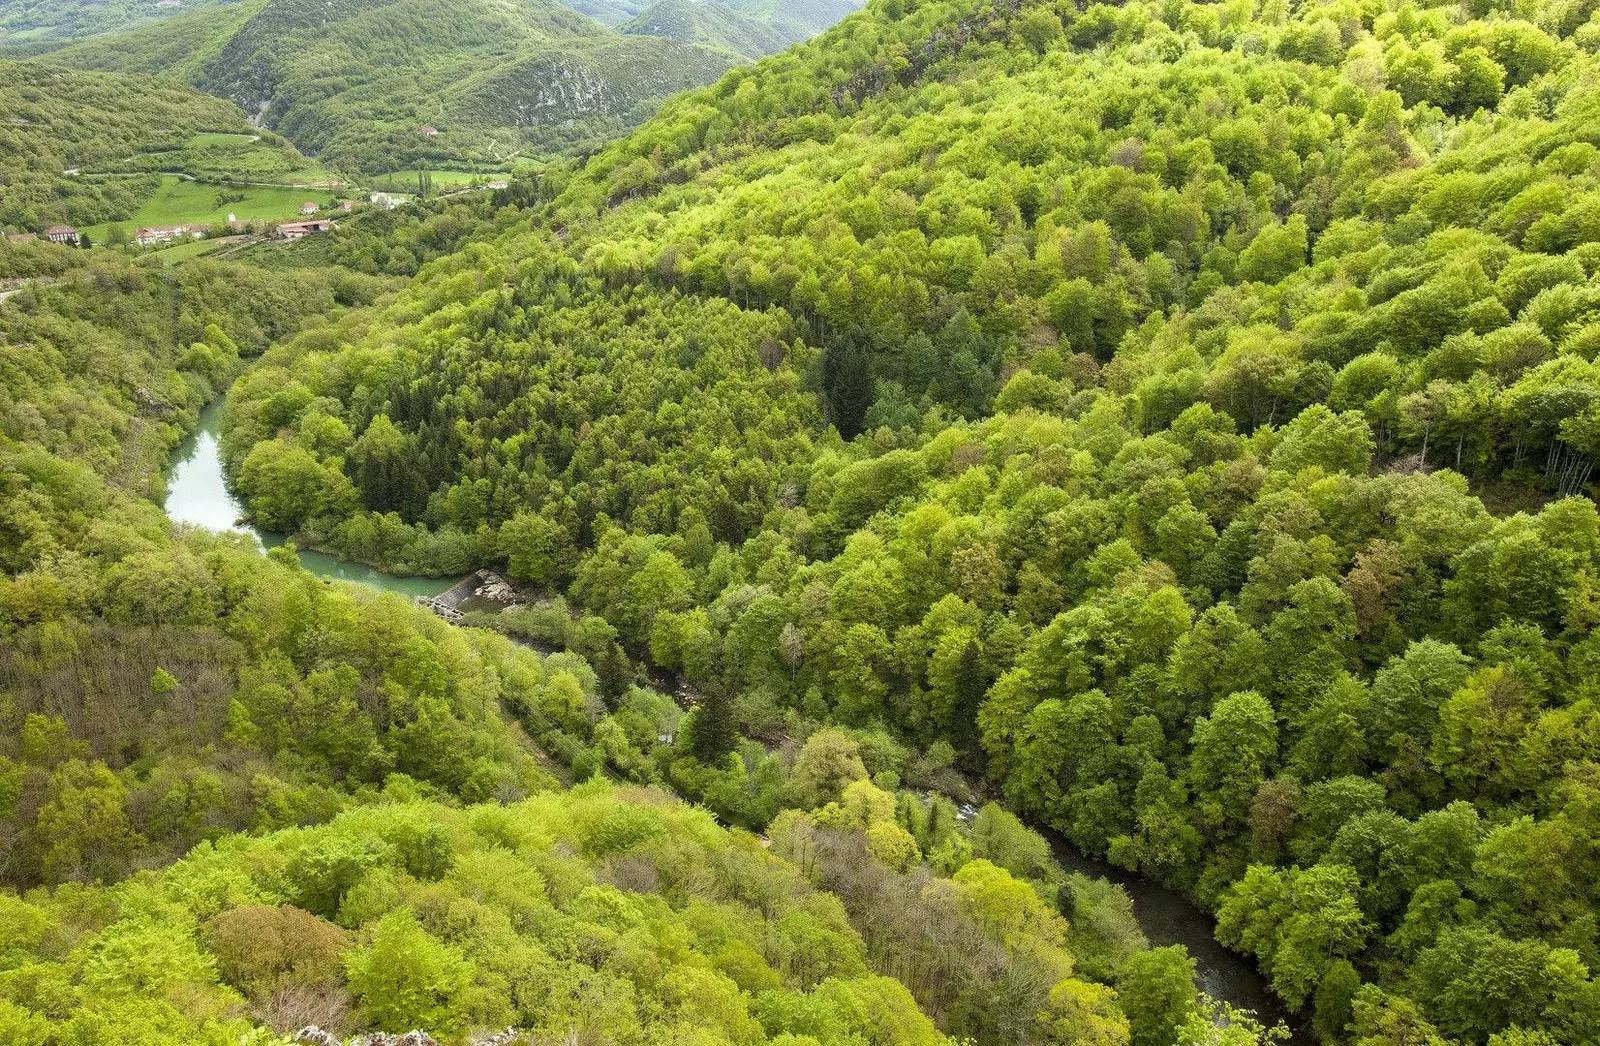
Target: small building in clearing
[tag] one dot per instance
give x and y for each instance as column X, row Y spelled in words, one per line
column 428, row 131
column 162, row 234
column 295, row 230
column 308, row 208
column 61, row 234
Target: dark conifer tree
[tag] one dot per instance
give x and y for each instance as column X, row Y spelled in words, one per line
column 712, row 733
column 970, row 689
column 847, row 386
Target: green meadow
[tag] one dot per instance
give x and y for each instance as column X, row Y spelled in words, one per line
column 190, row 249
column 180, row 201
column 406, row 181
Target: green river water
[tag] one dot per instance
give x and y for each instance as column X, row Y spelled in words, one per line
column 198, row 494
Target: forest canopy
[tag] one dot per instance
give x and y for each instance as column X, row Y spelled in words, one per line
column 1185, row 412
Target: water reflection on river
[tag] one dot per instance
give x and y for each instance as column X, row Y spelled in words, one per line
column 198, row 494
column 1168, row 917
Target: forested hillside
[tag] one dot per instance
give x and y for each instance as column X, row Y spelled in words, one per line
column 63, row 127
column 38, row 24
column 1186, row 412
column 712, row 24
column 392, row 84
column 590, row 916
column 374, row 843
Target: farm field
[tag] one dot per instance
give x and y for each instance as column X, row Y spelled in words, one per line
column 180, row 201
column 191, row 249
column 221, row 155
column 406, row 181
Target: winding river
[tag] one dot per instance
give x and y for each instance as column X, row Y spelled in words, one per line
column 198, row 494
column 1168, row 917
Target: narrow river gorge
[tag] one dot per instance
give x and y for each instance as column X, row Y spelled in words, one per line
column 198, row 494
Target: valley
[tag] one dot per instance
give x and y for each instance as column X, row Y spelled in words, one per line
column 197, row 495
column 1060, row 524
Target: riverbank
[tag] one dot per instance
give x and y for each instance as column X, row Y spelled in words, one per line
column 1168, row 917
column 198, row 495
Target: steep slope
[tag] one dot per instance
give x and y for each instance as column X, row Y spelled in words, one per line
column 372, row 846
column 377, row 85
column 713, row 25
column 801, row 19
column 794, row 20
column 1188, row 414
column 178, row 46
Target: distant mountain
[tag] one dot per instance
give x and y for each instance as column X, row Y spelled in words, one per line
column 179, row 45
column 802, row 19
column 712, row 25
column 34, row 25
column 377, row 85
column 796, row 20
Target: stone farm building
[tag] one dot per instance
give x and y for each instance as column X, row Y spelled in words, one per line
column 295, row 230
column 61, row 234
column 162, row 234
column 308, row 208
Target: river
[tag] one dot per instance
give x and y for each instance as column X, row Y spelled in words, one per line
column 197, row 493
column 1168, row 917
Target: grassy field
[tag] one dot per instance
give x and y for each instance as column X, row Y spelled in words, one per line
column 192, row 249
column 406, row 181
column 194, row 203
column 249, row 158
column 208, row 139
column 219, row 155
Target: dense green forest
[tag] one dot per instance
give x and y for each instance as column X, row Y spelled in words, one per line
column 373, row 840
column 1180, row 416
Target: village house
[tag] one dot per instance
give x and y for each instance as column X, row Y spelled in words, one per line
column 308, row 208
column 162, row 234
column 61, row 234
column 387, row 201
column 295, row 230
